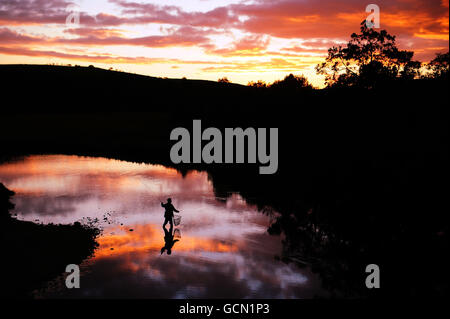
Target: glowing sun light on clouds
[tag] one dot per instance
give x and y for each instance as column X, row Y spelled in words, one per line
column 242, row 40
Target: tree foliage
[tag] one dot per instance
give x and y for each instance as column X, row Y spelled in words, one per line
column 369, row 58
column 439, row 66
column 292, row 82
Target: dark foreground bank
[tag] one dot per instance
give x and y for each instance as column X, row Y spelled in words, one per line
column 33, row 254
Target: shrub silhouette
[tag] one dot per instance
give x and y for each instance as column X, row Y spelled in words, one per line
column 258, row 84
column 224, row 80
column 292, row 82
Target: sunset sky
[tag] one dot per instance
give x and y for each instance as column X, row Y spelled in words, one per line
column 243, row 40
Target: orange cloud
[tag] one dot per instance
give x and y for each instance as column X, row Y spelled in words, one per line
column 307, row 28
column 248, row 46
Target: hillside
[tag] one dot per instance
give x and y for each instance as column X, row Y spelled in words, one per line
column 73, row 89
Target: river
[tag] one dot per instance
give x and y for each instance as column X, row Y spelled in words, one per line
column 221, row 248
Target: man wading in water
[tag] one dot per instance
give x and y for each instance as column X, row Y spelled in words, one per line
column 168, row 214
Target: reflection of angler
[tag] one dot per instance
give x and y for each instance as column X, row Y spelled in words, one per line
column 169, row 241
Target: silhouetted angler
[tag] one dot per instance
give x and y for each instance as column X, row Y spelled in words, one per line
column 168, row 214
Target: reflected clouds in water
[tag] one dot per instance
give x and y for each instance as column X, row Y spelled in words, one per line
column 224, row 249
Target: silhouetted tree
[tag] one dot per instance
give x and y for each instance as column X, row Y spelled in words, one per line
column 292, row 82
column 368, row 58
column 223, row 80
column 439, row 66
column 258, row 84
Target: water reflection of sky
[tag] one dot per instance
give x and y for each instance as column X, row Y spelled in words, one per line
column 224, row 249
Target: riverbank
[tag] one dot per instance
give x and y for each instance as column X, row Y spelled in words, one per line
column 33, row 254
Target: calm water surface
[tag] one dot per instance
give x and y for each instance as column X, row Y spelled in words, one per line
column 223, row 248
